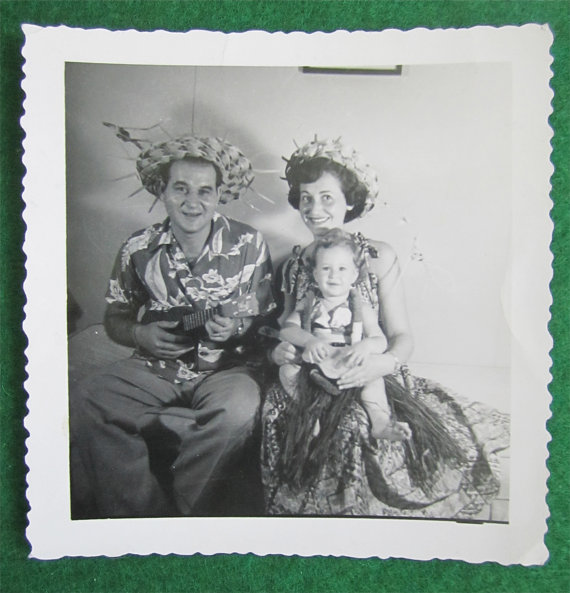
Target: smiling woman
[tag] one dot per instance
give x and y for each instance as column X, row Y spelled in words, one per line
column 448, row 173
column 372, row 439
column 326, row 193
column 442, row 197
column 322, row 204
column 464, row 209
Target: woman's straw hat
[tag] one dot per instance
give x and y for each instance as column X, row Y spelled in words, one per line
column 335, row 151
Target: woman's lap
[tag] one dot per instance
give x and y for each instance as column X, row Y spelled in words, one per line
column 338, row 489
column 364, row 477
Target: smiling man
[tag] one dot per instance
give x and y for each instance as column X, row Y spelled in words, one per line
column 154, row 435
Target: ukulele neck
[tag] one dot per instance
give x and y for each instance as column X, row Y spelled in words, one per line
column 191, row 321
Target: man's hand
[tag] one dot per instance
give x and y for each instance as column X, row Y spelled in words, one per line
column 156, row 339
column 221, row 329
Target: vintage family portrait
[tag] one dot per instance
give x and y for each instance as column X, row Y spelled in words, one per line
column 302, row 292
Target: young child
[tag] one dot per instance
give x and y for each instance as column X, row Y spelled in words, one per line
column 340, row 336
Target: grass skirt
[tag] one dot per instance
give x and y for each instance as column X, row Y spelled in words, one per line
column 358, row 475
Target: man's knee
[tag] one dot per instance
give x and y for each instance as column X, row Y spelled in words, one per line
column 241, row 407
column 81, row 398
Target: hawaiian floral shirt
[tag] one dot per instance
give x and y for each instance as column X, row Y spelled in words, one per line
column 151, row 273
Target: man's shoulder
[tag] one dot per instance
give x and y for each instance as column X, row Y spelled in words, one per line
column 143, row 238
column 239, row 227
column 239, row 232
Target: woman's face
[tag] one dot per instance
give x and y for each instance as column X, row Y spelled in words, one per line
column 322, row 204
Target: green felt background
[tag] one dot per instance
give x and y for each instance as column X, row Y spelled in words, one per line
column 251, row 573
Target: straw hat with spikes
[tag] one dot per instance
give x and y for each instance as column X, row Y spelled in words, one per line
column 335, row 151
column 234, row 166
column 237, row 174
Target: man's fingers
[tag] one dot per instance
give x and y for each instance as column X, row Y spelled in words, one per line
column 167, row 324
column 218, row 333
column 172, row 346
column 216, row 327
column 171, row 351
column 170, row 338
column 224, row 322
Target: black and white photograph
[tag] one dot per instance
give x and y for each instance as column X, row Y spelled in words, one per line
column 295, row 298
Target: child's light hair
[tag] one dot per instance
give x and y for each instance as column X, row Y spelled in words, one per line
column 338, row 238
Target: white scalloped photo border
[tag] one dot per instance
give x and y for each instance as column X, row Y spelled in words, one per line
column 51, row 532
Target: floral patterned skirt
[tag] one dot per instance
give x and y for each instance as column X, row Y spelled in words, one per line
column 366, row 477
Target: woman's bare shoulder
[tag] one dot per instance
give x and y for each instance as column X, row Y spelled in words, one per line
column 381, row 247
column 385, row 257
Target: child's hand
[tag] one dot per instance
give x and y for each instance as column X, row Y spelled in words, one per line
column 317, row 350
column 357, row 354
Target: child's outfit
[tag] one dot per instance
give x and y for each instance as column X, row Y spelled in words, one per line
column 360, row 477
column 338, row 328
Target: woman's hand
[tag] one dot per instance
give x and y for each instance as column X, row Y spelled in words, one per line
column 156, row 339
column 285, row 353
column 375, row 367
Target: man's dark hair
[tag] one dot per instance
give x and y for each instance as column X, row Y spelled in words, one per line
column 165, row 170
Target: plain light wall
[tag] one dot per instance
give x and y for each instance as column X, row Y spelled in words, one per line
column 438, row 135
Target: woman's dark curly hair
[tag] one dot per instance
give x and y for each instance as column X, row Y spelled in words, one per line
column 309, row 171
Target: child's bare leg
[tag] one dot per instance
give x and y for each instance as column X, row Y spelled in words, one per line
column 289, row 375
column 376, row 405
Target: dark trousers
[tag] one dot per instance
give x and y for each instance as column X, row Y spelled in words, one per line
column 142, row 446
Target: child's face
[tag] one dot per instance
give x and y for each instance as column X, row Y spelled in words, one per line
column 335, row 271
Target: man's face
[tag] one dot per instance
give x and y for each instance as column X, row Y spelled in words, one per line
column 190, row 196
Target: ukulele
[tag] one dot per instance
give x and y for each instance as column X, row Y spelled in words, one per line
column 189, row 318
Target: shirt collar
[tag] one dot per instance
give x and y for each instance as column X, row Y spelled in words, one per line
column 164, row 235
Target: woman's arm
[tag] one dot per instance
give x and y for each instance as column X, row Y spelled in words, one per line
column 370, row 323
column 393, row 318
column 285, row 352
column 288, row 308
column 393, row 315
